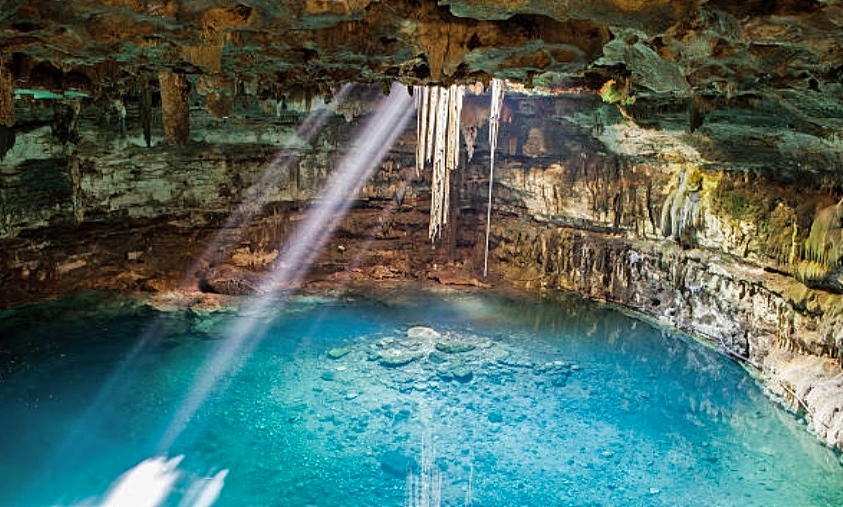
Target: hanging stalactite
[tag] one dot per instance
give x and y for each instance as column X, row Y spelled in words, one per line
column 174, row 107
column 7, row 96
column 494, row 122
column 438, row 141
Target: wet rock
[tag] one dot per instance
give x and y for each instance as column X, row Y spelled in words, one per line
column 437, row 358
column 339, row 352
column 444, row 372
column 397, row 358
column 497, row 353
column 423, row 333
column 396, row 464
column 515, row 362
column 231, row 280
column 453, row 347
column 385, row 342
column 410, row 344
column 552, row 367
column 560, row 379
column 462, row 373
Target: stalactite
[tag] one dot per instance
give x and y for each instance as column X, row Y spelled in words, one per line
column 494, row 122
column 209, row 57
column 146, row 110
column 7, row 97
column 681, row 212
column 422, row 99
column 438, row 141
column 174, row 106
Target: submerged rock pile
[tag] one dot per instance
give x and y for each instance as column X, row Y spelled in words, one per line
column 424, row 359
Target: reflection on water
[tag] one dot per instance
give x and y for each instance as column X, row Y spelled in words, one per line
column 406, row 398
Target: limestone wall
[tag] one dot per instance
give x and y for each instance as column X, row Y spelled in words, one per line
column 631, row 234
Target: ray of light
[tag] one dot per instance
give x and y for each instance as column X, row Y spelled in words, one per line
column 259, row 193
column 300, row 250
column 256, row 198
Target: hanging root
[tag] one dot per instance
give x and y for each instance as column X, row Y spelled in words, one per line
column 438, row 140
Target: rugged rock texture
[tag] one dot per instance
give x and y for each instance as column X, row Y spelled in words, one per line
column 717, row 253
column 681, row 158
column 84, row 207
column 703, row 55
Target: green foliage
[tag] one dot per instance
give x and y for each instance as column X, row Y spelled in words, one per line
column 612, row 93
column 811, row 271
column 825, row 243
column 738, row 206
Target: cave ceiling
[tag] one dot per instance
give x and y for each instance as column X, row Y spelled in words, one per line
column 762, row 73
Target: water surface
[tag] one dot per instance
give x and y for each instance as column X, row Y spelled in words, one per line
column 510, row 402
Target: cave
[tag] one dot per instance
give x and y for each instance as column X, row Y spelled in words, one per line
column 421, row 253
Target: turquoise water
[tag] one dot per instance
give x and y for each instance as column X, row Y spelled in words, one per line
column 501, row 402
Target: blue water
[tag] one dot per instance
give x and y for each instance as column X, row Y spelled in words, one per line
column 557, row 403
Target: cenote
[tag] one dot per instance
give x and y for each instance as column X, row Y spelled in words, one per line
column 360, row 400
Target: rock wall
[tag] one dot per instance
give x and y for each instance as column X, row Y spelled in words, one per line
column 663, row 239
column 84, row 203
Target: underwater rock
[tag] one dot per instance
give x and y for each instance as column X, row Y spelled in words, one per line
column 423, row 333
column 560, row 379
column 437, row 357
column 397, row 358
column 462, row 373
column 411, row 344
column 230, row 280
column 514, row 362
column 456, row 371
column 453, row 347
column 385, row 342
column 338, row 352
column 552, row 367
column 395, row 463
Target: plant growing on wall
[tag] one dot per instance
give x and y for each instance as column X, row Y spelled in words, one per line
column 613, row 93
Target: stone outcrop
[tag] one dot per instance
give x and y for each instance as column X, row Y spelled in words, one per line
column 702, row 249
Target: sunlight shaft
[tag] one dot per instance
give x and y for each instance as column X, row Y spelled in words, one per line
column 298, row 254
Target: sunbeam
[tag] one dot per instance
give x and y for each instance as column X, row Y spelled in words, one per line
column 230, row 232
column 256, row 197
column 372, row 144
column 258, row 193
